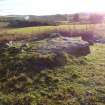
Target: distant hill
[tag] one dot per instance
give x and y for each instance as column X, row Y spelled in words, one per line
column 34, row 20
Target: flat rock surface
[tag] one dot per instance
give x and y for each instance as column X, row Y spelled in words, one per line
column 74, row 46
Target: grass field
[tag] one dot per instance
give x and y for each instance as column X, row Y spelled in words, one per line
column 81, row 81
column 21, row 33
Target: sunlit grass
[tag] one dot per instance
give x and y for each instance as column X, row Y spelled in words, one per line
column 27, row 32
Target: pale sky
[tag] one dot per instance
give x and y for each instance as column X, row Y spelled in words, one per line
column 48, row 7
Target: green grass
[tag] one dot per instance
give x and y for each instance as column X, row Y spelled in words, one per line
column 16, row 33
column 80, row 81
column 27, row 32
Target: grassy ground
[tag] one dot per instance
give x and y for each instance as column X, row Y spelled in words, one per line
column 80, row 82
column 21, row 33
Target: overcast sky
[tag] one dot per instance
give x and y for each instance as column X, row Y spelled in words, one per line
column 48, row 7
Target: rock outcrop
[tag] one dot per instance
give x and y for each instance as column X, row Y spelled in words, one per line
column 73, row 46
column 57, row 44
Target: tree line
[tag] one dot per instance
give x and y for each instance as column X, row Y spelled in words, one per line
column 22, row 21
